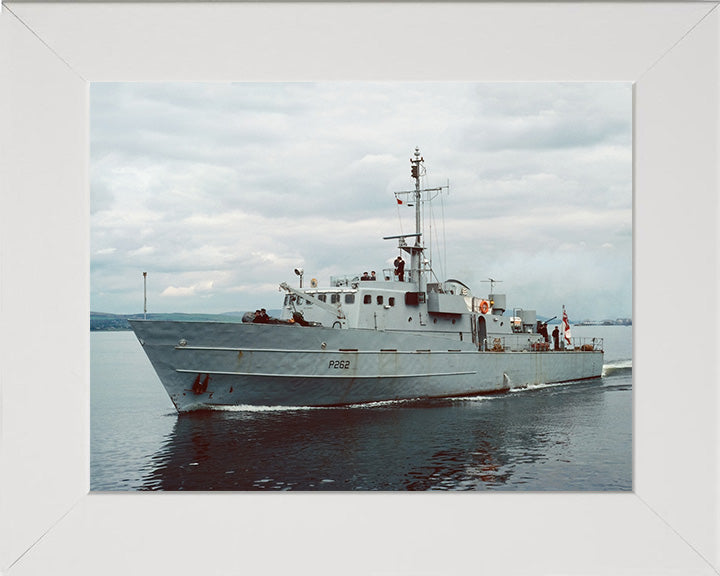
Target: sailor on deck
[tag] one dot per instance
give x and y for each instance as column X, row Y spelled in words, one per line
column 542, row 330
column 400, row 269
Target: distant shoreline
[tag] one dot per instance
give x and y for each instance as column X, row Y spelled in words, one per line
column 106, row 322
column 102, row 321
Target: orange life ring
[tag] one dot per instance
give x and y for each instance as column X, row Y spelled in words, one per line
column 484, row 306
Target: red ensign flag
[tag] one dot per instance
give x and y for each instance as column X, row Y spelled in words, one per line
column 566, row 326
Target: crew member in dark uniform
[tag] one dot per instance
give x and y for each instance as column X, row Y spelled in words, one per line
column 556, row 338
column 261, row 317
column 400, row 269
column 542, row 330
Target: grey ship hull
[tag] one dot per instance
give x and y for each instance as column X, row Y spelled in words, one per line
column 210, row 364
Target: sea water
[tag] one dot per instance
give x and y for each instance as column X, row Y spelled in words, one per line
column 569, row 437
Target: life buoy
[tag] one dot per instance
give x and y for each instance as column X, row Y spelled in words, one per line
column 484, row 306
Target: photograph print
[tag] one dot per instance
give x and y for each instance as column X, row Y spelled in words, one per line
column 350, row 286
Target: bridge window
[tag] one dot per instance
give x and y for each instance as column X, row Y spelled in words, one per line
column 379, row 300
column 367, row 299
column 391, row 301
column 349, row 298
column 322, row 297
column 334, row 298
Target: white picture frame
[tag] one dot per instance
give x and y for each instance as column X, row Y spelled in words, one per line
column 50, row 523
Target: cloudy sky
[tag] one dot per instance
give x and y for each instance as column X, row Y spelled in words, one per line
column 219, row 191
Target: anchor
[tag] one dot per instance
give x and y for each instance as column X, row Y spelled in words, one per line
column 199, row 387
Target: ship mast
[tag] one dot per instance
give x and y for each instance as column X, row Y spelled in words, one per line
column 416, row 252
column 415, row 173
column 417, row 170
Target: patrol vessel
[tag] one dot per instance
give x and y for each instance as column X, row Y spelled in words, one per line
column 402, row 335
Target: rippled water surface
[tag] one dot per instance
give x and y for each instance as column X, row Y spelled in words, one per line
column 562, row 437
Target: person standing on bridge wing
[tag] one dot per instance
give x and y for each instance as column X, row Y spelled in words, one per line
column 542, row 330
column 400, row 269
column 556, row 338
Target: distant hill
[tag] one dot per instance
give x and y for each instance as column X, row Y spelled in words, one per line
column 616, row 322
column 106, row 321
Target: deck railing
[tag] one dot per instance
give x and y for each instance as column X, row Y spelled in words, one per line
column 495, row 344
column 585, row 344
column 499, row 344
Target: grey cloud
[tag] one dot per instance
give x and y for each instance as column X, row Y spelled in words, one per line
column 233, row 185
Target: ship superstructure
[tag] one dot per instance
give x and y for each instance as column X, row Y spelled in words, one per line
column 412, row 301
